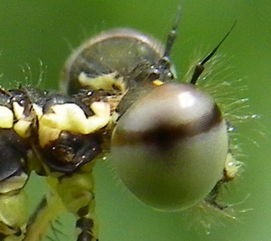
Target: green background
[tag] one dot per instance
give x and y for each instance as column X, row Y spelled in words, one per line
column 47, row 30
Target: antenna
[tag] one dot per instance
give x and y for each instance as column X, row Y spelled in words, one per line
column 173, row 33
column 164, row 61
column 199, row 68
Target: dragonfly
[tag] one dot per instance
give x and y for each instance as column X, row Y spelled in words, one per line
column 168, row 139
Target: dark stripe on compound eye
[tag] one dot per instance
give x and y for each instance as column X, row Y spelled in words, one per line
column 165, row 135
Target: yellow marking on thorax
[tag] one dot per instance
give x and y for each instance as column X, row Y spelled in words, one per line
column 70, row 117
column 38, row 110
column 22, row 126
column 6, row 117
column 18, row 110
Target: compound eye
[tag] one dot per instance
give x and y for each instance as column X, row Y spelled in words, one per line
column 170, row 147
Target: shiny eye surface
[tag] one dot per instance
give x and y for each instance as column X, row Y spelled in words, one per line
column 170, row 147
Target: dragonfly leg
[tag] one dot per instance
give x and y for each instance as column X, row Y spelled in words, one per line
column 47, row 211
column 77, row 194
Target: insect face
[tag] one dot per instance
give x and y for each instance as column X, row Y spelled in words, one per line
column 168, row 140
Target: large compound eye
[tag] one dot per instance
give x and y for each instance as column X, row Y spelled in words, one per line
column 170, row 147
column 110, row 54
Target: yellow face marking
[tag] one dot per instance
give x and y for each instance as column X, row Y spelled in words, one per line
column 6, row 117
column 70, row 117
column 105, row 82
